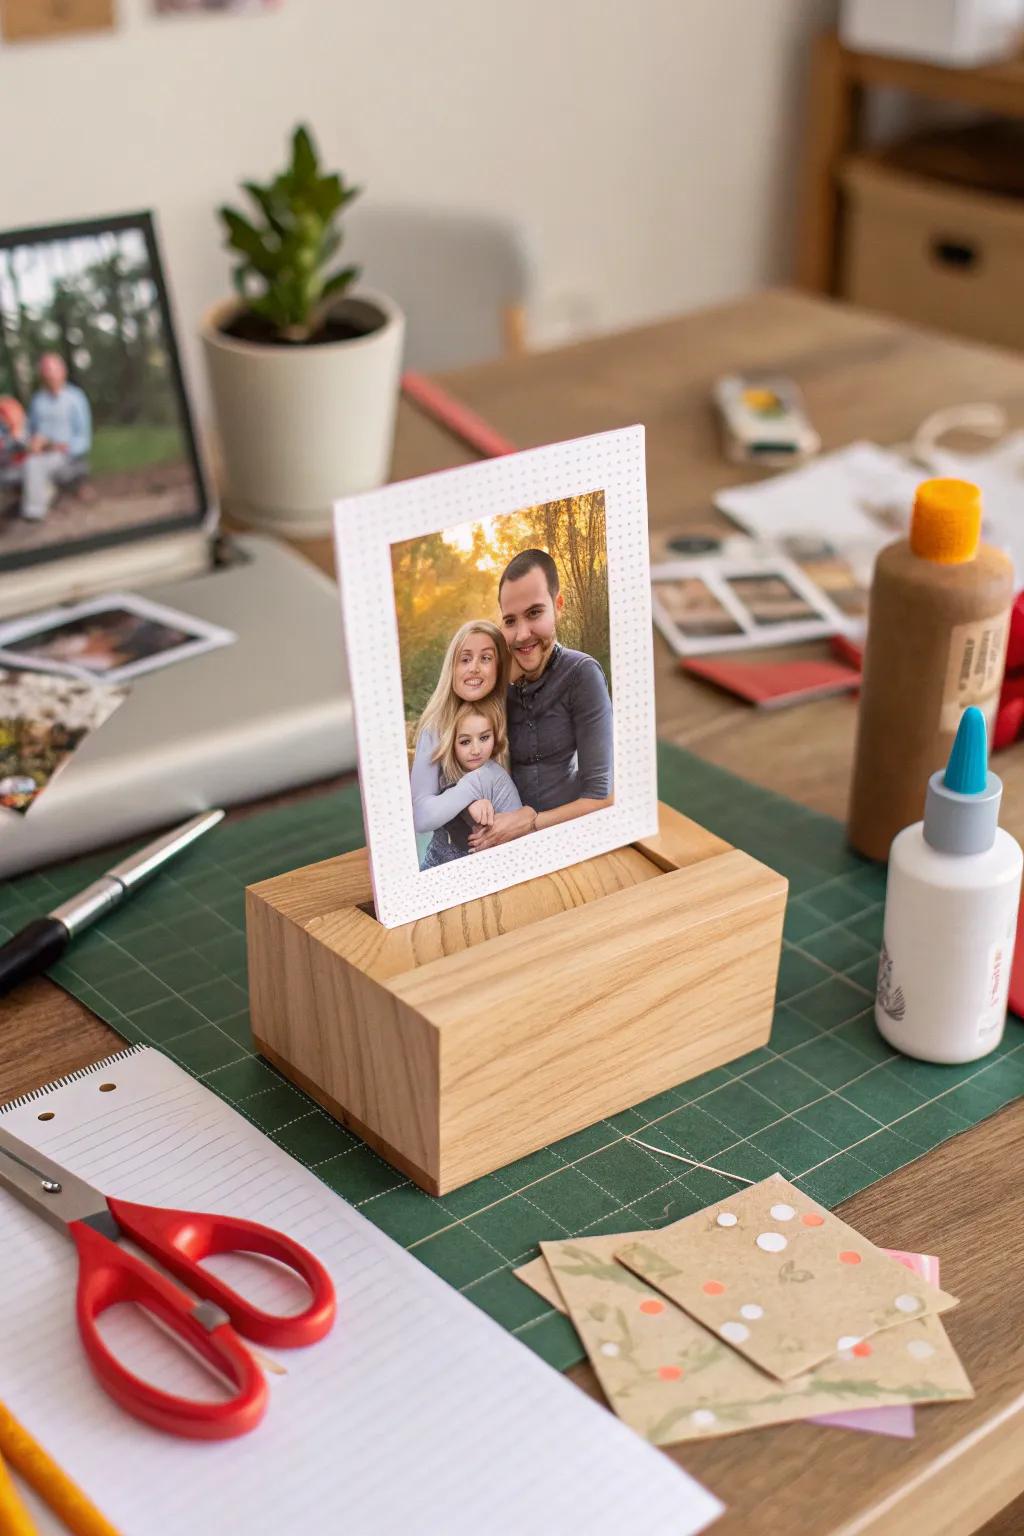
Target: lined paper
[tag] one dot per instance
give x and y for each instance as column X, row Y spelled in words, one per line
column 416, row 1414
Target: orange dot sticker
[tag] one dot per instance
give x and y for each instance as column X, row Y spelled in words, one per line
column 849, row 1257
column 712, row 1287
column 863, row 1349
column 812, row 1219
column 652, row 1306
column 669, row 1372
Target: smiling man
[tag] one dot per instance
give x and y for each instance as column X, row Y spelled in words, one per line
column 559, row 709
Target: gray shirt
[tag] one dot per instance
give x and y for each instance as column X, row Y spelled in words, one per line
column 560, row 732
column 434, row 806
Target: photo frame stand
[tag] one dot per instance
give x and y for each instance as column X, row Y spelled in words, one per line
column 455, row 1044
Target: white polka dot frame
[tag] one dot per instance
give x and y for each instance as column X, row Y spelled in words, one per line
column 365, row 528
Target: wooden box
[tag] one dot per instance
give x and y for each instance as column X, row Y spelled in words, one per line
column 460, row 1042
column 937, row 255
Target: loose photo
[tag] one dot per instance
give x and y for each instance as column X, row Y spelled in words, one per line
column 695, row 610
column 708, row 605
column 770, row 598
column 96, row 439
column 501, row 665
column 114, row 638
column 43, row 721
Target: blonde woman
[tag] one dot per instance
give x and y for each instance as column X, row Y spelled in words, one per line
column 448, row 799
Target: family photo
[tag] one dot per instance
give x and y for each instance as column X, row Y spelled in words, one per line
column 505, row 652
column 94, row 438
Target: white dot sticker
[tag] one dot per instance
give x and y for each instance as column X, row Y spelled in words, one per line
column 726, row 1219
column 702, row 1418
column 920, row 1349
column 845, row 1354
column 734, row 1333
column 847, row 1341
column 907, row 1303
column 610, row 1349
column 751, row 1311
column 773, row 1242
column 782, row 1213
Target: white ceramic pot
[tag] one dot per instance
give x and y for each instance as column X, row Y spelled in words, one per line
column 299, row 426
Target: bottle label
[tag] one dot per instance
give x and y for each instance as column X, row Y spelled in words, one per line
column 996, row 990
column 974, row 671
column 889, row 994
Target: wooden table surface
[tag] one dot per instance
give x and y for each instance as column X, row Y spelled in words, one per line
column 863, row 377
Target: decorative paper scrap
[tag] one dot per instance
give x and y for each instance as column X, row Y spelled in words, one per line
column 898, row 1422
column 25, row 20
column 671, row 1379
column 780, row 1278
column 43, row 720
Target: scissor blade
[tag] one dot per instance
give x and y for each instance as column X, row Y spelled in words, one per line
column 56, row 1195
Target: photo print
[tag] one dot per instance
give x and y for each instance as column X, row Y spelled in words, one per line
column 500, row 656
column 43, row 722
column 96, row 439
column 114, row 638
column 710, row 605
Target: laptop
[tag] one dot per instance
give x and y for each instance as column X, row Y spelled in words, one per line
column 115, row 499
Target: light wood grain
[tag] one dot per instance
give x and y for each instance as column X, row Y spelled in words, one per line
column 862, row 376
column 477, row 1035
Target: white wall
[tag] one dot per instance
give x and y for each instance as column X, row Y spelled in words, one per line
column 650, row 146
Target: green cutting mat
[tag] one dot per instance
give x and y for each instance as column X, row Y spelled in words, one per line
column 826, row 1102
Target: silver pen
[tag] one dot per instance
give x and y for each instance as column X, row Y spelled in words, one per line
column 41, row 942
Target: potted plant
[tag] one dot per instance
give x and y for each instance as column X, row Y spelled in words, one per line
column 304, row 374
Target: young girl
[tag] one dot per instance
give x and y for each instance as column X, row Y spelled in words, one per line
column 475, row 671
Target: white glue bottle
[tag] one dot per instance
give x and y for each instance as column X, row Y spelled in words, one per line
column 951, row 914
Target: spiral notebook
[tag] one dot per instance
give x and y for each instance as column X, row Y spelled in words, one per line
column 417, row 1413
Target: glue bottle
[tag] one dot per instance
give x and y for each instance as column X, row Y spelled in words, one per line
column 951, row 914
column 936, row 642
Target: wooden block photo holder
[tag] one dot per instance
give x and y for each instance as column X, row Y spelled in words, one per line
column 458, row 1043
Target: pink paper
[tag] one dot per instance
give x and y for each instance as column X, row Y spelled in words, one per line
column 897, row 1421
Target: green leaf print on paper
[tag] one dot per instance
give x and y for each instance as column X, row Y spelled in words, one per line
column 589, row 1266
column 790, row 1274
column 650, row 1263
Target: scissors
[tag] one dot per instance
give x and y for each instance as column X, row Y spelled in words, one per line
column 179, row 1240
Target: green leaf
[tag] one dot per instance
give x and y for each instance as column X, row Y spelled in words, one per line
column 340, row 281
column 304, row 156
column 268, row 204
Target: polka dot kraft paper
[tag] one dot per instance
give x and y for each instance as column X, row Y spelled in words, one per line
column 672, row 1379
column 783, row 1281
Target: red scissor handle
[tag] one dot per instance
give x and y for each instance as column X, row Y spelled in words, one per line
column 108, row 1275
column 180, row 1240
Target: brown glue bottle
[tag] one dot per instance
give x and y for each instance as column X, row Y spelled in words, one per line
column 937, row 629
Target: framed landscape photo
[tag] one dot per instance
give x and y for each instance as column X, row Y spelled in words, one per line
column 497, row 622
column 97, row 445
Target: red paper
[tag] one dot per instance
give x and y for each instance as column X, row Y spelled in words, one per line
column 771, row 684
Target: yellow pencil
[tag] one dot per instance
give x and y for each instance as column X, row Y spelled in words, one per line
column 54, row 1487
column 14, row 1520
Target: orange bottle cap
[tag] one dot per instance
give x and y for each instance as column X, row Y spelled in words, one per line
column 946, row 524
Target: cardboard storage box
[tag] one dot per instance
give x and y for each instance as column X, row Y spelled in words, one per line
column 938, row 255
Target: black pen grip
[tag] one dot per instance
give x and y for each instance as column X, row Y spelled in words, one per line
column 39, row 945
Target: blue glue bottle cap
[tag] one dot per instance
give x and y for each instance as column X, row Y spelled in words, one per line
column 961, row 813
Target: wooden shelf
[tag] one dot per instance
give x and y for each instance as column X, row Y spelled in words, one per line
column 839, row 78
